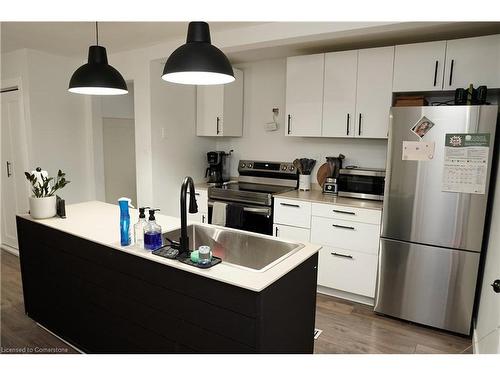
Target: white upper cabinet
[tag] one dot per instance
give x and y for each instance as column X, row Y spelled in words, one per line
column 304, row 95
column 472, row 60
column 419, row 67
column 339, row 100
column 219, row 108
column 374, row 92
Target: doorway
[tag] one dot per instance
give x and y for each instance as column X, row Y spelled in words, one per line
column 14, row 188
column 118, row 141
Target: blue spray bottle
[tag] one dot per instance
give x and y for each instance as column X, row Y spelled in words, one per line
column 125, row 232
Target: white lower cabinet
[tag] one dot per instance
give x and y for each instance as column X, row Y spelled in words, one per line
column 288, row 232
column 347, row 270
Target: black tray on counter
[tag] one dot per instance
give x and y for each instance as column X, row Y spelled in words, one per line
column 186, row 259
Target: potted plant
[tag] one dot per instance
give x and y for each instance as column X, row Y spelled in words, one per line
column 43, row 201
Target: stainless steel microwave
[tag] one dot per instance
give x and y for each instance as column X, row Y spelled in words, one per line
column 364, row 183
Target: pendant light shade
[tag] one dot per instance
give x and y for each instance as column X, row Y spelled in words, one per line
column 97, row 77
column 198, row 62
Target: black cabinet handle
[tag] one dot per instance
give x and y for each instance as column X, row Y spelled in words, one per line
column 203, row 218
column 218, row 119
column 347, row 130
column 9, row 173
column 451, row 71
column 342, row 255
column 343, row 227
column 436, row 72
column 359, row 128
column 496, row 286
column 344, row 212
column 289, row 118
column 290, row 205
column 276, row 232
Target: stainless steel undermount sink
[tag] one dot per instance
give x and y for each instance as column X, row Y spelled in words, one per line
column 238, row 248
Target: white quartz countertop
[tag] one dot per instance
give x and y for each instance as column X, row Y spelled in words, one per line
column 99, row 222
column 318, row 197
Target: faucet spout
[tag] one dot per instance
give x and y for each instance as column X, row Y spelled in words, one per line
column 193, row 208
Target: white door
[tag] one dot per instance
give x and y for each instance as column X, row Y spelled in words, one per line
column 419, row 67
column 304, row 95
column 487, row 332
column 291, row 233
column 374, row 92
column 339, row 99
column 209, row 110
column 473, row 60
column 15, row 190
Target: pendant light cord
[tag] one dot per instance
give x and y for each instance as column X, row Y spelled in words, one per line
column 97, row 33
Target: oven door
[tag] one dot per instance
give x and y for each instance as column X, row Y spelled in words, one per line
column 258, row 219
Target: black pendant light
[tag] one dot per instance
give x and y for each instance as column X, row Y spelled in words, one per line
column 198, row 62
column 97, row 77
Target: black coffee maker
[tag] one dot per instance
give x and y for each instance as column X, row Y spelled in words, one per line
column 218, row 167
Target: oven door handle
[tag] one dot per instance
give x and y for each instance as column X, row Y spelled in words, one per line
column 266, row 211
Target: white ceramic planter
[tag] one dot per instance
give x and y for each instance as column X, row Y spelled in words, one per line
column 43, row 208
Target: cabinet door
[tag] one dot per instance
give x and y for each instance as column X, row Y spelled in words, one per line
column 199, row 217
column 292, row 212
column 304, row 95
column 291, row 233
column 231, row 124
column 419, row 67
column 473, row 60
column 209, row 110
column 339, row 100
column 374, row 92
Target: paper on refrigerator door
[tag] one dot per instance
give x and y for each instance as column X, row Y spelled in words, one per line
column 421, row 151
column 466, row 163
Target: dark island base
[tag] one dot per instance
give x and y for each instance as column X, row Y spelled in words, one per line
column 103, row 300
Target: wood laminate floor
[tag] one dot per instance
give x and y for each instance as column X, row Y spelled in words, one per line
column 348, row 327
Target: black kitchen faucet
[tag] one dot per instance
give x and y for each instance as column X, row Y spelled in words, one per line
column 193, row 208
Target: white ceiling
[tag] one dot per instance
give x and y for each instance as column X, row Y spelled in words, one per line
column 73, row 38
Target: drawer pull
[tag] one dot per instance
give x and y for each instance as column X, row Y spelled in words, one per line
column 344, row 212
column 343, row 227
column 290, row 205
column 342, row 255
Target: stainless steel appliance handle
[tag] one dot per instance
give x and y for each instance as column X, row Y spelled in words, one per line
column 9, row 172
column 289, row 205
column 344, row 212
column 342, row 255
column 343, row 227
column 254, row 210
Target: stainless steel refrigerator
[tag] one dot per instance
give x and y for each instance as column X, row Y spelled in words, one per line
column 435, row 204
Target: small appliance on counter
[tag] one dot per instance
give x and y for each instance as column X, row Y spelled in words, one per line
column 364, row 183
column 328, row 174
column 218, row 167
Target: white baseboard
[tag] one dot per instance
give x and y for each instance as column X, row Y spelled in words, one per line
column 10, row 249
column 346, row 295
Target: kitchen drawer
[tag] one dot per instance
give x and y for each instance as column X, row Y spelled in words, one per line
column 347, row 270
column 361, row 215
column 292, row 212
column 345, row 234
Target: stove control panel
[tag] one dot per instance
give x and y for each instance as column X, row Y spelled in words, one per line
column 266, row 167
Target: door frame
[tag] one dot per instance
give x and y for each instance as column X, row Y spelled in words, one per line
column 25, row 146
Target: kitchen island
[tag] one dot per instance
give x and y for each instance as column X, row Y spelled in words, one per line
column 79, row 283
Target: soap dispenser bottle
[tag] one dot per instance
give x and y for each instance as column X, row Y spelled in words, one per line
column 152, row 232
column 139, row 227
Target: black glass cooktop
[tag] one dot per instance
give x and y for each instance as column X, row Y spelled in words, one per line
column 257, row 188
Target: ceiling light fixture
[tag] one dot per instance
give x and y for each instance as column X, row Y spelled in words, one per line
column 198, row 62
column 97, row 77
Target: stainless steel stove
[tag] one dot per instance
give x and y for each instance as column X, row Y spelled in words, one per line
column 257, row 183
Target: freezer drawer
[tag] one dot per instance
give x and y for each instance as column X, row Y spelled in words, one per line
column 428, row 285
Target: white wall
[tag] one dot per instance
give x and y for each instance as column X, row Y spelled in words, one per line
column 180, row 153
column 264, row 88
column 119, row 106
column 56, row 119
